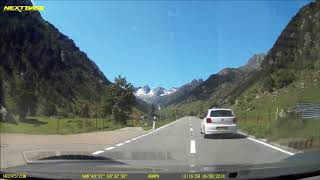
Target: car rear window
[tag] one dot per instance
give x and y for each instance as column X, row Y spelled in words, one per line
column 221, row 113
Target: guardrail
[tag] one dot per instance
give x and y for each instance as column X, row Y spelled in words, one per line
column 309, row 110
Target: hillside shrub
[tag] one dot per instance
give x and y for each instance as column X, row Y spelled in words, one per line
column 268, row 84
column 284, row 78
column 50, row 109
column 317, row 64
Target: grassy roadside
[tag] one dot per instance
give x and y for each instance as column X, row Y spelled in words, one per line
column 257, row 112
column 46, row 125
column 258, row 124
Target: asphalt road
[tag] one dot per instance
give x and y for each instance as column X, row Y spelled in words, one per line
column 176, row 147
column 181, row 143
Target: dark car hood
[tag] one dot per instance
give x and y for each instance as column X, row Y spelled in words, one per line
column 297, row 166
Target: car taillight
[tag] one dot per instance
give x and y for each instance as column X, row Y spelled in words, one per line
column 209, row 120
column 234, row 120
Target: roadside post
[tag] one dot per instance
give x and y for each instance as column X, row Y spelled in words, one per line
column 245, row 118
column 159, row 108
column 154, row 123
column 58, row 125
column 3, row 113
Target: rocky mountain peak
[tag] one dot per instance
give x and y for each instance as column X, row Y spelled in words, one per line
column 225, row 71
column 255, row 61
column 159, row 91
column 146, row 89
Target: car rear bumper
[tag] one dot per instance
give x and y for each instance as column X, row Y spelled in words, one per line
column 221, row 129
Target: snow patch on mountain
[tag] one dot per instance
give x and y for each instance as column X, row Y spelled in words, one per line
column 160, row 95
column 157, row 92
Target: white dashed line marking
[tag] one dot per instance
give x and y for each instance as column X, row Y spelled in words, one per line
column 193, row 147
column 109, row 148
column 97, row 152
column 191, row 165
column 120, row 144
column 191, row 129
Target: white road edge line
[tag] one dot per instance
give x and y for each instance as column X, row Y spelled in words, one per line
column 97, row 152
column 193, row 147
column 109, row 148
column 120, row 144
column 271, row 146
column 165, row 126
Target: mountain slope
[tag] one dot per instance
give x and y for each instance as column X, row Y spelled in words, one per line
column 292, row 66
column 254, row 62
column 292, row 63
column 216, row 89
column 181, row 92
column 298, row 46
column 35, row 53
column 294, row 59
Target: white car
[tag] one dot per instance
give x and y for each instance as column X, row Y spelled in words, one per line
column 218, row 121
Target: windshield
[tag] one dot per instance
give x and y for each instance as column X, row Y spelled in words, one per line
column 128, row 83
column 221, row 113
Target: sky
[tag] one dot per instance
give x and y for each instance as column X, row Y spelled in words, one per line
column 169, row 43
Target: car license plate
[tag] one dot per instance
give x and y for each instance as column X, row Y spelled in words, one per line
column 222, row 128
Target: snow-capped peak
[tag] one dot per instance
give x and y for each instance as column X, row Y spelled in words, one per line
column 145, row 91
column 172, row 90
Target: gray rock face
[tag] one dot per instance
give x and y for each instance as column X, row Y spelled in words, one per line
column 159, row 91
column 146, row 89
column 254, row 62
